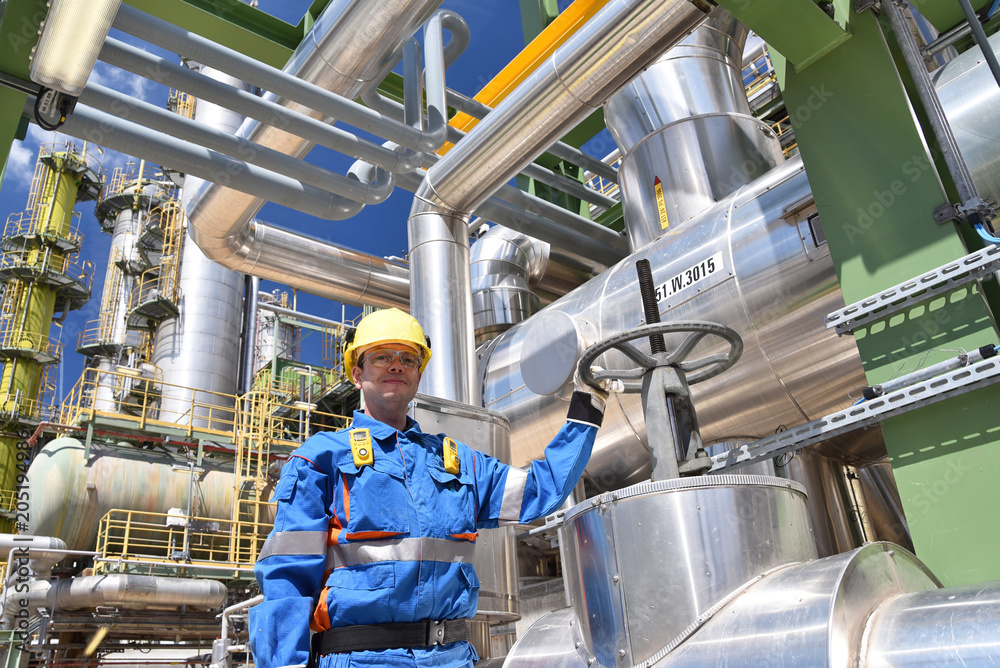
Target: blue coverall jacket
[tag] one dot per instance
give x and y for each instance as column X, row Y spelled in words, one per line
column 393, row 541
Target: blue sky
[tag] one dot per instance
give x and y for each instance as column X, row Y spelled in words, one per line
column 496, row 38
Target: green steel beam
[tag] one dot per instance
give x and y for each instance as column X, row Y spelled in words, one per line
column 230, row 23
column 876, row 186
column 798, row 29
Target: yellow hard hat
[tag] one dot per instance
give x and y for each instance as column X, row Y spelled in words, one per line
column 381, row 327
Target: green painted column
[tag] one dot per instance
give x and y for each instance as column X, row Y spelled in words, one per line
column 876, row 187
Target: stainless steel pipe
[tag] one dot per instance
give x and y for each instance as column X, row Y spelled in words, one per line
column 602, row 56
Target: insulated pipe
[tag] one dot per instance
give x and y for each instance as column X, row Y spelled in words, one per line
column 156, row 118
column 478, row 110
column 170, row 74
column 127, row 591
column 220, row 224
column 130, row 138
column 337, row 55
column 35, row 548
column 596, row 61
column 501, row 264
column 293, row 90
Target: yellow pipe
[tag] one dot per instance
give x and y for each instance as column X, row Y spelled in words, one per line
column 526, row 62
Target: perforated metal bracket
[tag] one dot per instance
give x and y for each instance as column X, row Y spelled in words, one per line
column 947, row 277
column 863, row 415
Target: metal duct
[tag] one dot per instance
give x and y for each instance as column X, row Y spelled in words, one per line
column 200, row 348
column 604, row 54
column 513, row 275
column 501, row 264
column 132, row 592
column 685, row 125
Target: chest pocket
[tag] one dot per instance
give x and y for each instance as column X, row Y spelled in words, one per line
column 375, row 498
column 454, row 501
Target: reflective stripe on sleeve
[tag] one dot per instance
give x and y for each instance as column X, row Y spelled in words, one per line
column 399, row 549
column 513, row 495
column 294, row 542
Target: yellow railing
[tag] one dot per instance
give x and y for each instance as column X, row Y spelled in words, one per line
column 13, row 336
column 26, row 222
column 761, row 74
column 780, row 128
column 135, row 399
column 8, row 499
column 150, row 539
column 602, row 185
column 133, row 176
column 45, row 261
column 181, row 103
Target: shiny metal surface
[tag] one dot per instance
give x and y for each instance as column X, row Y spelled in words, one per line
column 643, row 563
column 597, row 60
column 126, row 591
column 968, row 94
column 273, row 339
column 772, row 285
column 552, row 642
column 957, row 626
column 70, row 494
column 812, row 614
column 200, row 348
column 601, row 56
column 441, row 299
column 885, row 508
column 686, row 121
column 501, row 263
column 44, row 551
column 495, row 558
column 350, row 44
column 830, row 509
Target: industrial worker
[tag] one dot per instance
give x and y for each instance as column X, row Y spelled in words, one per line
column 376, row 524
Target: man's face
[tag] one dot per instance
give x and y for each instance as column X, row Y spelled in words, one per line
column 390, row 388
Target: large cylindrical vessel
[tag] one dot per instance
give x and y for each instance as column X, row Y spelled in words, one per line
column 71, row 489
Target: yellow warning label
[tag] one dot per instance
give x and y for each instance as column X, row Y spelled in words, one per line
column 661, row 203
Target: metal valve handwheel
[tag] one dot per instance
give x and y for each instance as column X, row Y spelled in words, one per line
column 703, row 368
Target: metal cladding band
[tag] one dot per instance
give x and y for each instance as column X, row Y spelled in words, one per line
column 601, row 57
column 423, row 548
column 691, row 102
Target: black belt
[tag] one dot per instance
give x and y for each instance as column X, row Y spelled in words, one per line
column 388, row 636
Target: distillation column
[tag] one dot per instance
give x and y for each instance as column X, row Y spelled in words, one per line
column 200, row 348
column 138, row 209
column 42, row 277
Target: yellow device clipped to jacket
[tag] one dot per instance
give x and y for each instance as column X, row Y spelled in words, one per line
column 361, row 447
column 452, row 464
